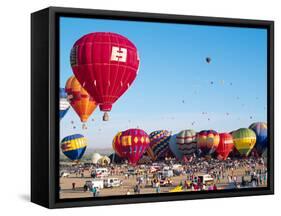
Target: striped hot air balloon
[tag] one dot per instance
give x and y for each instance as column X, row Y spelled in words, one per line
column 83, row 104
column 244, row 140
column 64, row 105
column 208, row 141
column 74, row 146
column 186, row 142
column 225, row 146
column 131, row 144
column 260, row 128
column 159, row 144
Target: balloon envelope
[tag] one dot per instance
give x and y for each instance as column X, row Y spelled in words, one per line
column 244, row 140
column 159, row 144
column 187, row 142
column 208, row 141
column 225, row 146
column 83, row 104
column 260, row 128
column 174, row 148
column 74, row 146
column 131, row 144
column 95, row 158
column 106, row 65
column 64, row 105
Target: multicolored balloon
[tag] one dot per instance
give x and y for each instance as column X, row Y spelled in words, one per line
column 74, row 146
column 174, row 148
column 260, row 128
column 187, row 142
column 83, row 104
column 106, row 64
column 208, row 141
column 225, row 146
column 159, row 144
column 64, row 105
column 131, row 144
column 244, row 140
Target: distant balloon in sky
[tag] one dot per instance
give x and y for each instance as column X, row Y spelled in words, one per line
column 106, row 64
column 64, row 104
column 208, row 60
column 83, row 104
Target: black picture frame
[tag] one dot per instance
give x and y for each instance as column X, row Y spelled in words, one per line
column 45, row 101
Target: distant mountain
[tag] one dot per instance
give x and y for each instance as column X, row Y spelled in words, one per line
column 102, row 151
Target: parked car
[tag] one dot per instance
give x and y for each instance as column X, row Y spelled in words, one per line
column 204, row 179
column 166, row 173
column 112, row 182
column 131, row 171
column 100, row 173
column 98, row 183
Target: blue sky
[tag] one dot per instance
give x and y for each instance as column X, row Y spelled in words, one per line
column 172, row 70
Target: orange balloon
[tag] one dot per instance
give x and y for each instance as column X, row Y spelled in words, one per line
column 83, row 104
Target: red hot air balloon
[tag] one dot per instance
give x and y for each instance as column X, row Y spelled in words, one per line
column 131, row 144
column 225, row 146
column 106, row 65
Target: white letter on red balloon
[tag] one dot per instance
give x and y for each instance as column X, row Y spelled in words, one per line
column 118, row 54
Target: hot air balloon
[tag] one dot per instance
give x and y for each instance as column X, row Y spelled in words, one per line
column 244, row 140
column 260, row 128
column 64, row 105
column 106, row 65
column 116, row 144
column 208, row 141
column 95, row 158
column 74, row 146
column 83, row 104
column 186, row 142
column 225, row 146
column 174, row 147
column 104, row 161
column 131, row 144
column 114, row 158
column 159, row 144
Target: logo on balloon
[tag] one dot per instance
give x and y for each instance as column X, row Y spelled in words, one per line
column 118, row 54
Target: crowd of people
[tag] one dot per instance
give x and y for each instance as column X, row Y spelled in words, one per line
column 246, row 172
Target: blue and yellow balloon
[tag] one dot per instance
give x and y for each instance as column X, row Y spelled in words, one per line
column 74, row 146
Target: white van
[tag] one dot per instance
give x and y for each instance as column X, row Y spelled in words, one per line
column 206, row 179
column 112, row 182
column 100, row 173
column 98, row 183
